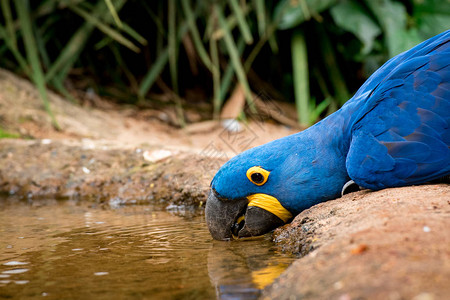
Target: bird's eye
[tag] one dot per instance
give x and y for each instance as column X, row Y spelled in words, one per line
column 257, row 175
column 257, row 178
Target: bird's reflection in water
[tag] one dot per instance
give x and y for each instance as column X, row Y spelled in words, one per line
column 241, row 269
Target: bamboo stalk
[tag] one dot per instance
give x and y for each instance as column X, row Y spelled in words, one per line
column 300, row 74
column 173, row 57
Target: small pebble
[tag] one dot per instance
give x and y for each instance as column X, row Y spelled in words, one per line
column 424, row 296
column 338, row 285
column 101, row 273
column 426, row 229
column 345, row 297
column 359, row 249
column 156, row 155
column 232, row 125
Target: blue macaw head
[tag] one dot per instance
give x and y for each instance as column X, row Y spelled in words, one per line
column 265, row 187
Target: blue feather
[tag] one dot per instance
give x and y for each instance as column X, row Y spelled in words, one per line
column 395, row 131
column 411, row 120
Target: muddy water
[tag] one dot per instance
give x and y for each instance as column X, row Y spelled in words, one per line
column 67, row 250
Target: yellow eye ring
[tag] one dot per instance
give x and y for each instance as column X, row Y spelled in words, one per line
column 257, row 175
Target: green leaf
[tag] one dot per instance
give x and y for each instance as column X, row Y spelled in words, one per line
column 243, row 26
column 293, row 13
column 432, row 17
column 217, row 103
column 317, row 110
column 77, row 42
column 153, row 73
column 352, row 17
column 155, row 18
column 71, row 50
column 233, row 52
column 334, row 73
column 114, row 34
column 196, row 35
column 157, row 67
column 134, row 34
column 228, row 74
column 114, row 14
column 11, row 32
column 17, row 55
column 172, row 45
column 260, row 16
column 33, row 56
column 392, row 18
column 8, row 135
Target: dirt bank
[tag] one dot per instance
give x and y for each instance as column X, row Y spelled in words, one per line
column 101, row 173
column 389, row 244
column 112, row 154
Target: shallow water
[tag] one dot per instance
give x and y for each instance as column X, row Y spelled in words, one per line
column 66, row 250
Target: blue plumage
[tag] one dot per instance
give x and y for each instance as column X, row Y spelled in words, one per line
column 407, row 113
column 395, row 131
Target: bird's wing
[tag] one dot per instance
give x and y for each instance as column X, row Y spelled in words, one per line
column 401, row 133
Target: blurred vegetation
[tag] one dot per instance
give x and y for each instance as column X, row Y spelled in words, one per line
column 184, row 52
column 5, row 134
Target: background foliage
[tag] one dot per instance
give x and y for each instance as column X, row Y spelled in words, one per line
column 186, row 53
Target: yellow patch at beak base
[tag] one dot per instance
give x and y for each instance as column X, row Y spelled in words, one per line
column 271, row 204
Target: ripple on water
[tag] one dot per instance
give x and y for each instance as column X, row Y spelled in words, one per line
column 15, row 271
column 15, row 263
column 129, row 252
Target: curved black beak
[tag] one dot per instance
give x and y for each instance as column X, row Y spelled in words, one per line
column 228, row 219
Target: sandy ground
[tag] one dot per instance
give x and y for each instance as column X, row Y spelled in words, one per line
column 113, row 154
column 390, row 244
column 21, row 112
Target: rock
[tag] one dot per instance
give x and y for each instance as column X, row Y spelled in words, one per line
column 389, row 244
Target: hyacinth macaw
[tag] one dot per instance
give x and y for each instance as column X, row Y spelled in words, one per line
column 395, row 131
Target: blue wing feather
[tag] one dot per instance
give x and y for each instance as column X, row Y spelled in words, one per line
column 401, row 132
